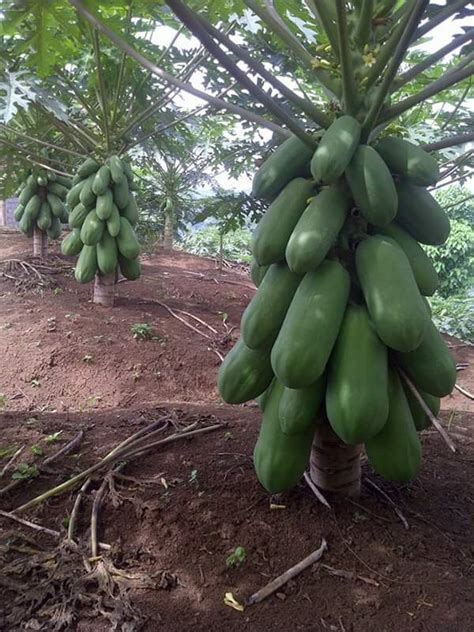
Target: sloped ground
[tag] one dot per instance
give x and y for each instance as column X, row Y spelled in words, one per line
column 67, row 366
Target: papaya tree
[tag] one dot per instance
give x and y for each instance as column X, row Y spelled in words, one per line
column 338, row 344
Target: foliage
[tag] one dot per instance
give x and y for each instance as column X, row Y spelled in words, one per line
column 454, row 260
column 454, row 316
column 237, row 557
column 142, row 331
column 205, row 242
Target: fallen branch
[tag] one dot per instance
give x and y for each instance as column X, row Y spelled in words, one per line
column 11, row 461
column 182, row 320
column 281, row 580
column 436, row 423
column 348, row 574
column 31, row 525
column 125, row 451
column 69, row 447
column 181, row 311
column 75, row 510
column 390, row 502
column 316, row 491
column 463, row 390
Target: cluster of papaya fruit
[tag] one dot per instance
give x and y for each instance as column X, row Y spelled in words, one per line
column 41, row 203
column 103, row 213
column 340, row 314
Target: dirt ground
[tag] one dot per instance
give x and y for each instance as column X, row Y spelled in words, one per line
column 174, row 516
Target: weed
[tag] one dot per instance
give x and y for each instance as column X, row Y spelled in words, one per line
column 193, row 477
column 88, row 359
column 24, row 471
column 37, row 450
column 58, row 290
column 228, row 436
column 3, row 400
column 142, row 331
column 9, row 451
column 52, row 438
column 35, row 383
column 237, row 558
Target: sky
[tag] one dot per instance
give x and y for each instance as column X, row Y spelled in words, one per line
column 440, row 36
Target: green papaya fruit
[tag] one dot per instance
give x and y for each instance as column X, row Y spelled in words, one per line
column 31, row 182
column 73, row 196
column 391, row 294
column 335, row 150
column 78, row 215
column 280, row 459
column 104, row 205
column 116, row 169
column 113, row 222
column 263, row 317
column 56, row 204
column 263, row 398
column 409, row 161
column 64, row 180
column 317, row 230
column 86, row 266
column 421, row 215
column 372, row 186
column 26, row 194
column 309, row 331
column 88, row 168
column 18, row 214
column 44, row 218
column 130, row 268
column 92, row 229
column 287, row 162
column 299, row 407
column 32, row 209
column 101, row 180
column 72, row 243
column 107, row 254
column 87, row 195
column 121, row 193
column 257, row 272
column 395, row 452
column 357, row 391
column 54, row 231
column 423, row 269
column 420, row 418
column 244, row 374
column 431, row 365
column 58, row 189
column 131, row 210
column 26, row 225
column 274, row 229
column 41, row 181
column 127, row 240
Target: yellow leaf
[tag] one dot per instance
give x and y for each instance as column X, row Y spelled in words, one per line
column 231, row 601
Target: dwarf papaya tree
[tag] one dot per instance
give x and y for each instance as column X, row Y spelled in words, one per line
column 338, row 344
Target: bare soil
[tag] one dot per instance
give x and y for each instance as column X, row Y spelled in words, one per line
column 186, row 506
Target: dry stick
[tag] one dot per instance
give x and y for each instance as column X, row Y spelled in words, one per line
column 280, row 581
column 348, row 574
column 181, row 311
column 69, row 447
column 175, row 315
column 390, row 501
column 112, row 456
column 95, row 515
column 316, row 491
column 463, row 390
column 428, row 411
column 75, row 510
column 10, row 461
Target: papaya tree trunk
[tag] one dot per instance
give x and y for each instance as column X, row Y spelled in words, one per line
column 221, row 251
column 40, row 243
column 3, row 213
column 104, row 289
column 335, row 466
column 168, row 231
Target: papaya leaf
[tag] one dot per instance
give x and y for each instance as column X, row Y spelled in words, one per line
column 15, row 94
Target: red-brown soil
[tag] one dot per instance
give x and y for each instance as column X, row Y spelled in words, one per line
column 205, row 500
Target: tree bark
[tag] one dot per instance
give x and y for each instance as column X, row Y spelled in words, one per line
column 3, row 213
column 40, row 243
column 168, row 231
column 335, row 466
column 104, row 289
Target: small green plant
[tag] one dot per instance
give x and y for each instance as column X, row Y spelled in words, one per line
column 237, row 558
column 35, row 383
column 58, row 290
column 24, row 471
column 224, row 316
column 37, row 450
column 6, row 452
column 142, row 331
column 3, row 400
column 228, row 436
column 93, row 401
column 88, row 359
column 193, row 477
column 53, row 437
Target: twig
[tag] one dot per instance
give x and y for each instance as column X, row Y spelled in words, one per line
column 463, row 390
column 428, row 411
column 316, row 491
column 281, row 580
column 181, row 311
column 69, row 447
column 390, row 501
column 32, row 525
column 348, row 574
column 95, row 515
column 185, row 322
column 10, row 461
column 75, row 510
